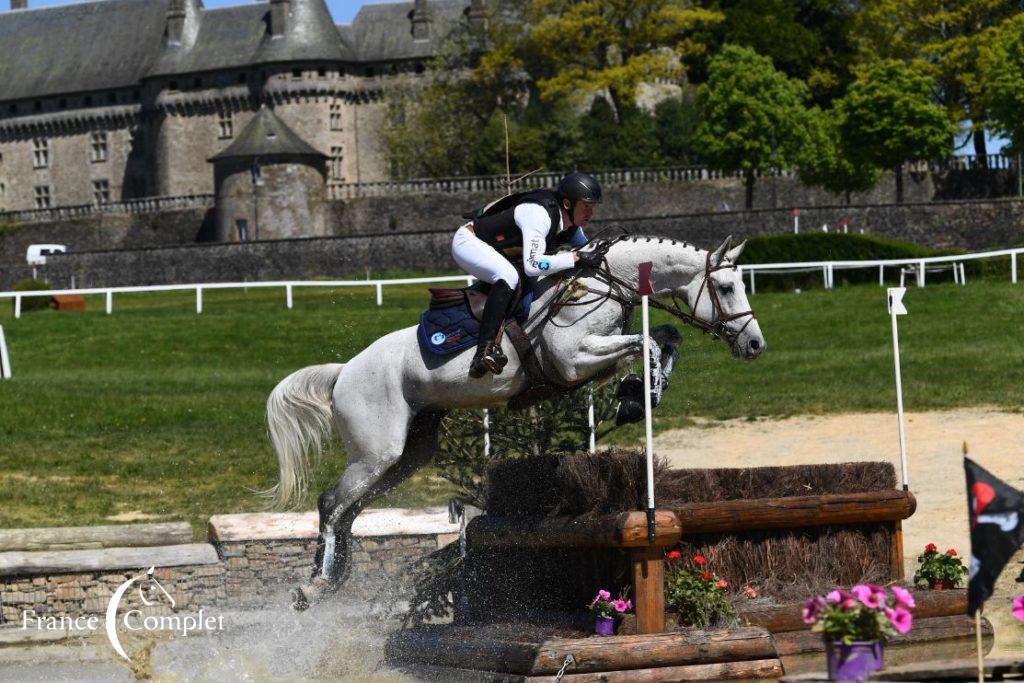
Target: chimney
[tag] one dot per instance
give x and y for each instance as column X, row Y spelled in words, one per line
column 183, row 22
column 279, row 10
column 19, row 4
column 477, row 15
column 420, row 20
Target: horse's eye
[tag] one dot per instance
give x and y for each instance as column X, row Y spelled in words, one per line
column 725, row 289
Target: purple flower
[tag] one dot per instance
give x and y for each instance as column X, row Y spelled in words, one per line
column 904, row 598
column 868, row 597
column 900, row 618
column 1018, row 607
column 812, row 610
column 620, row 606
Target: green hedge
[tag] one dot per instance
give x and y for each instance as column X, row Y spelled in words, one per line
column 32, row 303
column 840, row 247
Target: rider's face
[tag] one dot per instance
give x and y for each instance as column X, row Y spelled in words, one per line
column 582, row 213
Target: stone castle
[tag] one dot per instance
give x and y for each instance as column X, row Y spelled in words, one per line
column 112, row 100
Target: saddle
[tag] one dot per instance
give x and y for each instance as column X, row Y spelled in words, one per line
column 451, row 323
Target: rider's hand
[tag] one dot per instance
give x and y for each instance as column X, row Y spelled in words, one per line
column 589, row 259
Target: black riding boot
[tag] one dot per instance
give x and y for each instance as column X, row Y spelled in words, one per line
column 489, row 356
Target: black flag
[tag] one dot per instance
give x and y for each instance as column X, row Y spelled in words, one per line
column 996, row 510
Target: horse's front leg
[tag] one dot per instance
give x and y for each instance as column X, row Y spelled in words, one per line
column 599, row 352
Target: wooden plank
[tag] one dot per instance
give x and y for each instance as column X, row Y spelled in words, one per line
column 266, row 526
column 617, row 653
column 796, row 511
column 719, row 671
column 461, row 648
column 648, row 567
column 787, row 617
column 622, row 530
column 896, row 552
column 931, row 630
column 447, row 674
column 965, row 669
column 19, row 563
column 108, row 536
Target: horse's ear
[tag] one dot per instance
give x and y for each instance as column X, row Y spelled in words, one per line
column 716, row 258
column 734, row 253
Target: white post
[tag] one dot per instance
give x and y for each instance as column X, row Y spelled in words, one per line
column 110, row 302
column 469, row 282
column 920, row 274
column 796, row 222
column 881, row 275
column 17, row 306
column 963, row 277
column 956, row 273
column 896, row 308
column 288, row 295
column 5, row 359
column 487, row 433
column 648, row 423
column 831, row 277
column 1013, row 267
column 753, row 287
column 590, row 420
column 380, row 294
column 199, row 300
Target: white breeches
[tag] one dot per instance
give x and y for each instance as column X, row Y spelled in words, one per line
column 481, row 260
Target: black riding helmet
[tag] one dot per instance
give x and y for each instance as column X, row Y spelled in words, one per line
column 580, row 187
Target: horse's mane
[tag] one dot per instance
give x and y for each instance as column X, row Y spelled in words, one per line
column 627, row 237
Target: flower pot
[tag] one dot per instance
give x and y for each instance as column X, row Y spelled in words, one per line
column 604, row 626
column 854, row 662
column 943, row 585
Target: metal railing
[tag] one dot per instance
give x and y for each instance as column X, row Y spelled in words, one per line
column 130, row 206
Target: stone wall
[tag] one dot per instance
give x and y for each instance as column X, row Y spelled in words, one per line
column 974, row 226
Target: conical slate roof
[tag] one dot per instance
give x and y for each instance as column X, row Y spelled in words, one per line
column 267, row 136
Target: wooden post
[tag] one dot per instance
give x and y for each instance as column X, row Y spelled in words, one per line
column 896, row 552
column 648, row 564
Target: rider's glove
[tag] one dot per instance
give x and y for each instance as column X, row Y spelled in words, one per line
column 589, row 259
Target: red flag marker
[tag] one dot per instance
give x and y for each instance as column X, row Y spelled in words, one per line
column 644, row 287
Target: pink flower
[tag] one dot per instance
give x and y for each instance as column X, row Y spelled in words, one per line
column 603, row 595
column 751, row 593
column 812, row 610
column 868, row 596
column 620, row 606
column 900, row 618
column 1018, row 607
column 722, row 584
column 904, row 598
column 629, row 605
column 836, row 596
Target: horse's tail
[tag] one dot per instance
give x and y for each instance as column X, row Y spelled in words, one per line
column 299, row 424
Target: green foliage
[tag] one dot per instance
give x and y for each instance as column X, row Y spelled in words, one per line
column 939, row 567
column 1002, row 66
column 819, row 246
column 675, row 121
column 753, row 115
column 697, row 593
column 825, row 161
column 10, row 228
column 889, row 118
column 32, row 303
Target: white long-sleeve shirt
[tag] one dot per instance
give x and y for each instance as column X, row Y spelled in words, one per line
column 534, row 222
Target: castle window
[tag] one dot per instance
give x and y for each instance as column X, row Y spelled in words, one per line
column 14, row 109
column 370, row 71
column 335, row 117
column 101, row 191
column 62, row 103
column 226, row 124
column 321, row 72
column 39, row 105
column 197, row 83
column 3, row 191
column 88, row 100
column 42, row 196
column 40, row 153
column 297, row 74
column 173, row 85
column 136, row 95
column 99, row 146
column 419, row 68
column 337, row 157
column 111, row 98
column 243, row 78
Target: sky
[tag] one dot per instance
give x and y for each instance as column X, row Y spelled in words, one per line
column 342, row 10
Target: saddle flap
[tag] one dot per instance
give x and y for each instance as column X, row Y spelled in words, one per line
column 443, row 297
column 476, row 300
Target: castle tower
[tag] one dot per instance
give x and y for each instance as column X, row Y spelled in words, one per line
column 279, row 10
column 19, row 4
column 420, row 20
column 183, row 22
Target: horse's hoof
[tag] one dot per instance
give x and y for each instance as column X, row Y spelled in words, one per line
column 311, row 593
column 299, row 601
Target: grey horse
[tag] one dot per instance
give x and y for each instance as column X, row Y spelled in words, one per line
column 386, row 403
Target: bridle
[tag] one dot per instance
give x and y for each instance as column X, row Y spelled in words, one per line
column 718, row 327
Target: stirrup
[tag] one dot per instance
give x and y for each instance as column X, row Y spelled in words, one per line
column 489, row 358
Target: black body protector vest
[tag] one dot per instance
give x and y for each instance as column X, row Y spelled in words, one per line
column 495, row 223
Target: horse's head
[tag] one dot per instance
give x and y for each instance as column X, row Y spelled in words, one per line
column 718, row 298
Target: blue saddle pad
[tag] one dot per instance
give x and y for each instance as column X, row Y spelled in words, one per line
column 445, row 331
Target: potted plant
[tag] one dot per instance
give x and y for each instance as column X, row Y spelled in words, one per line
column 855, row 625
column 697, row 593
column 939, row 571
column 606, row 611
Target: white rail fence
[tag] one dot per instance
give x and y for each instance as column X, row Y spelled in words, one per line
column 919, row 267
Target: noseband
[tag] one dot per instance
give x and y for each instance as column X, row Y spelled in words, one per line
column 718, row 326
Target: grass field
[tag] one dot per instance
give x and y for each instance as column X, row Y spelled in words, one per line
column 158, row 410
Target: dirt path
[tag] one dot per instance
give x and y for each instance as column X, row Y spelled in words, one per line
column 995, row 440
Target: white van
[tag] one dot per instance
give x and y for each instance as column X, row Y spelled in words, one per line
column 37, row 253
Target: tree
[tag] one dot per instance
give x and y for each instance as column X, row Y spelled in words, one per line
column 676, row 120
column 889, row 116
column 754, row 118
column 943, row 39
column 825, row 161
column 573, row 49
column 1002, row 79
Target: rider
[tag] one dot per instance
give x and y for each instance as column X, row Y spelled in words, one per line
column 530, row 225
